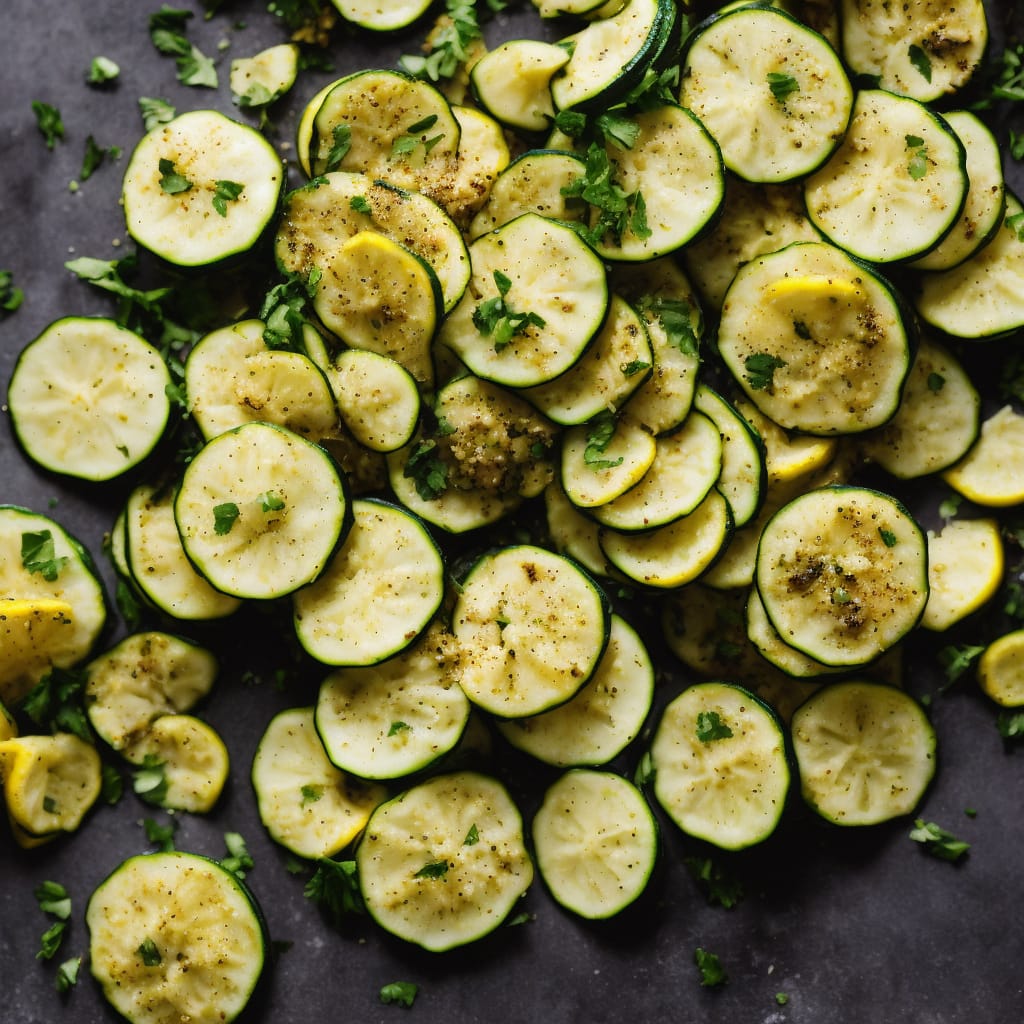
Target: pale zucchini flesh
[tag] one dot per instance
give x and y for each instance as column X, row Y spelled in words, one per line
column 513, row 82
column 965, row 569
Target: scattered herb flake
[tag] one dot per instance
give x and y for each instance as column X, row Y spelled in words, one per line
column 101, row 71
column 111, row 784
column 225, row 192
column 55, row 703
column 171, row 181
column 396, row 727
column 311, row 793
column 427, row 471
column 360, row 204
column 888, row 537
column 341, row 136
column 957, row 659
column 1010, row 724
column 917, row 167
column 38, row 555
column 50, row 940
column 712, row 974
column 49, row 122
column 936, row 382
column 149, row 954
column 782, row 85
column 495, row 318
column 401, row 993
column 161, row 836
column 10, row 297
column 238, row 860
column 600, row 432
column 335, row 887
column 149, row 782
column 718, row 887
column 270, row 502
column 224, row 516
column 67, row 974
column 761, row 367
column 432, row 869
column 472, row 836
column 937, row 841
column 155, row 112
column 53, row 899
column 94, row 156
column 921, row 61
column 710, row 727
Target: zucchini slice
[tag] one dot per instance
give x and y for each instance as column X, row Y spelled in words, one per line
column 983, row 297
column 483, row 154
column 816, row 339
column 381, row 17
column 157, row 564
column 937, row 421
column 865, row 752
column 925, row 50
column 329, row 210
column 49, row 784
column 512, row 82
column 843, row 574
column 392, row 719
column 574, row 534
column 263, row 78
column 526, row 321
column 88, row 398
column 307, row 804
column 787, row 80
column 443, row 863
column 182, row 199
column 144, row 676
column 388, row 126
column 895, row 186
column 596, row 842
column 965, row 570
column 532, row 627
column 596, row 467
column 604, row 717
column 175, row 935
column 763, row 635
column 1001, row 669
column 992, row 471
column 261, row 510
column 53, row 608
column 377, row 594
column 721, row 768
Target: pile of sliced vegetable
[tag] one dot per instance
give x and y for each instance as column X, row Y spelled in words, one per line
column 576, row 351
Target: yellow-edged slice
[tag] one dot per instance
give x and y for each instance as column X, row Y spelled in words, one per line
column 965, row 568
column 1001, row 669
column 992, row 472
column 35, row 634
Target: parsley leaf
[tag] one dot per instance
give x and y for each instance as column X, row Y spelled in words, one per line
column 710, row 727
column 921, row 61
column 402, row 993
column 396, row 727
column 1010, row 724
column 149, row 953
column 937, row 841
column 956, row 660
column 224, row 516
column 341, row 135
column 194, row 67
column 600, row 432
column 495, row 318
column 888, row 537
column 782, row 85
column 149, row 782
column 155, row 112
column 311, row 793
column 1008, row 82
column 676, row 317
column 50, row 940
column 712, row 974
column 38, row 555
column 917, row 167
column 617, row 211
column 449, row 45
column 936, row 382
column 432, row 869
column 427, row 470
column 171, row 181
column 1016, row 145
column 1015, row 222
column 161, row 836
column 53, row 899
column 67, row 974
column 761, row 367
column 284, row 311
column 101, row 71
column 111, row 784
column 270, row 502
column 49, row 122
column 360, row 204
column 334, row 886
column 238, row 861
column 472, row 836
column 645, row 771
column 94, row 157
column 225, row 192
column 55, row 703
column 10, row 297
column 718, row 887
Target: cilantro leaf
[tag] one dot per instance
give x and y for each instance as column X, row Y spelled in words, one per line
column 676, row 317
column 921, row 61
column 426, row 470
column 55, row 703
column 224, row 516
column 710, row 727
column 284, row 311
column 433, row 869
column 67, row 974
column 149, row 782
column 889, row 538
column 449, row 45
column 615, row 210
column 49, row 122
column 38, row 555
column 761, row 367
column 956, row 660
column 155, row 112
column 171, row 181
column 238, row 860
column 401, row 993
column 600, row 432
column 225, row 192
column 712, row 974
column 94, row 157
column 335, row 887
column 341, row 135
column 495, row 318
column 166, row 31
column 161, row 836
column 101, row 71
column 149, row 953
column 782, row 85
column 937, row 841
column 10, row 297
column 718, row 887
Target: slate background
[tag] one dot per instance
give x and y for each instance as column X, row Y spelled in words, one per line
column 853, row 926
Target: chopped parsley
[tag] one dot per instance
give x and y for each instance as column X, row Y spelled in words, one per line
column 94, row 156
column 888, row 537
column 449, row 45
column 53, row 899
column 718, row 887
column 161, row 836
column 1016, row 143
column 224, row 516
column 600, row 432
column 38, row 555
column 494, row 318
column 676, row 319
column 1015, row 222
column 335, row 887
column 166, row 30
column 937, row 841
column 712, row 975
column 401, row 993
column 55, row 703
column 710, row 727
column 618, row 211
column 781, row 998
column 149, row 782
column 472, row 836
column 171, row 181
column 67, row 974
column 311, row 793
column 149, row 954
column 427, row 470
column 225, row 192
column 341, row 143
column 432, row 869
column 949, row 507
column 917, row 167
column 635, row 366
column 50, row 940
column 1008, row 82
column 1010, row 724
column 396, row 727
column 111, row 784
column 284, row 310
column 155, row 112
column 956, row 660
column 10, row 297
column 49, row 122
column 360, row 204
column 405, row 144
column 936, row 382
column 238, row 860
column 761, row 367
column 645, row 770
column 270, row 502
column 101, row 71
column 782, row 86
column 921, row 61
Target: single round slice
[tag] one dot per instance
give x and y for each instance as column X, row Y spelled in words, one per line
column 88, row 398
column 175, row 936
column 381, row 17
column 992, row 471
column 307, row 804
column 604, row 717
column 392, row 719
column 259, row 80
column 1001, row 669
column 261, row 510
column 965, row 569
column 532, row 626
column 604, row 459
column 378, row 593
column 201, row 188
column 843, row 573
column 721, row 767
column 596, row 842
column 513, row 82
column 865, row 752
column 444, row 862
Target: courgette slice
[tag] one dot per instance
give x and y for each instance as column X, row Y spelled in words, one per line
column 817, row 340
column 524, row 322
column 157, row 564
column 54, row 608
column 392, row 719
column 532, row 627
column 592, row 477
column 574, row 534
column 380, row 17
column 603, row 718
column 786, row 78
column 443, row 863
column 175, row 935
column 483, row 154
column 992, row 471
column 843, row 573
column 965, row 570
column 512, row 82
column 307, row 804
column 263, row 78
column 1001, row 669
column 865, row 752
column 88, row 398
column 145, row 676
column 183, row 174
column 377, row 594
column 596, row 842
column 895, row 186
column 763, row 635
column 721, row 766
